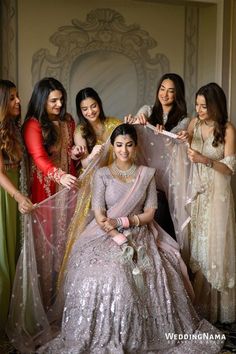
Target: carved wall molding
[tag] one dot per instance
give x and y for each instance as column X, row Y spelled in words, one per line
column 103, row 33
column 9, row 57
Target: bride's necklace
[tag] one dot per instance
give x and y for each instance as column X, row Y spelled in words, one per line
column 124, row 173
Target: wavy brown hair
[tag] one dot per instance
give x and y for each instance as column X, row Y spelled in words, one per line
column 10, row 144
column 179, row 108
column 216, row 104
column 86, row 129
column 37, row 108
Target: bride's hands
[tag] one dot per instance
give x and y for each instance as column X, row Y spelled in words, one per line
column 109, row 224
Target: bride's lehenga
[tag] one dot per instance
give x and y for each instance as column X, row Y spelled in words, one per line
column 106, row 303
column 105, row 310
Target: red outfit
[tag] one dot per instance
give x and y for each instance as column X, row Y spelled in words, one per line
column 46, row 168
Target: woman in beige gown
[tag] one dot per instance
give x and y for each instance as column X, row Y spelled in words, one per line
column 212, row 239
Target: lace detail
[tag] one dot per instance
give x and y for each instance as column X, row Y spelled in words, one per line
column 146, row 110
column 182, row 125
column 106, row 187
column 55, row 174
column 110, row 124
column 98, row 193
column 230, row 161
column 151, row 196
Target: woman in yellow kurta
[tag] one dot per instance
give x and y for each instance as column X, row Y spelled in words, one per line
column 94, row 127
column 92, row 131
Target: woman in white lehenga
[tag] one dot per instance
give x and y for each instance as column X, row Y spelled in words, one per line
column 121, row 292
column 212, row 242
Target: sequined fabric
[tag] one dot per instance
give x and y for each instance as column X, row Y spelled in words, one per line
column 103, row 310
column 212, row 243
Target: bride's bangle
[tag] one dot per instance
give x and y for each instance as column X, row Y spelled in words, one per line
column 136, row 220
column 123, row 222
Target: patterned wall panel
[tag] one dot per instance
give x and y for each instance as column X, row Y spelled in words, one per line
column 9, row 59
column 106, row 53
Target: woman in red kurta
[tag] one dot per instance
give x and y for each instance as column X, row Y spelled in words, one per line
column 48, row 135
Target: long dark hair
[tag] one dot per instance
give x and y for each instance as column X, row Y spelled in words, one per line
column 179, row 108
column 37, row 108
column 9, row 143
column 124, row 129
column 86, row 129
column 217, row 109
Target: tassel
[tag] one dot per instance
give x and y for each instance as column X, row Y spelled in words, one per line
column 127, row 254
column 144, row 261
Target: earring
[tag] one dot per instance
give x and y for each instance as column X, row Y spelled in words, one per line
column 134, row 157
column 113, row 156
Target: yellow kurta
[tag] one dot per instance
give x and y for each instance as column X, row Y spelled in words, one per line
column 81, row 211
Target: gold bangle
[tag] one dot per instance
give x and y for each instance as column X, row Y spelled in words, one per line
column 136, row 220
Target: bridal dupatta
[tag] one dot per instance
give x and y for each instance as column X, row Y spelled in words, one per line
column 53, row 228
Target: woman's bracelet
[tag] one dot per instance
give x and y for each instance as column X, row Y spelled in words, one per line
column 15, row 194
column 136, row 220
column 56, row 174
column 209, row 163
column 123, row 222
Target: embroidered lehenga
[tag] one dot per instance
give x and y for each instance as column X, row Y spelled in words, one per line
column 105, row 311
column 105, row 302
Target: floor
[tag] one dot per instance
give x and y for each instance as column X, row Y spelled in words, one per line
column 230, row 332
column 229, row 347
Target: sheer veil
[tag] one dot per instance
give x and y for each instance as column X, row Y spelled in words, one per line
column 51, row 230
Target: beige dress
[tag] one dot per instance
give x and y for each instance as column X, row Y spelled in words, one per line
column 212, row 240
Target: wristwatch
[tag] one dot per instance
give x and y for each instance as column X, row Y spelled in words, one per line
column 209, row 164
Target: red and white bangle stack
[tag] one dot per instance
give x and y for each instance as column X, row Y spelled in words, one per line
column 56, row 174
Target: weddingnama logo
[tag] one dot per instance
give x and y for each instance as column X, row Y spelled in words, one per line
column 195, row 337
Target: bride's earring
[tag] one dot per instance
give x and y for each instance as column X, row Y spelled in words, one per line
column 113, row 156
column 134, row 157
